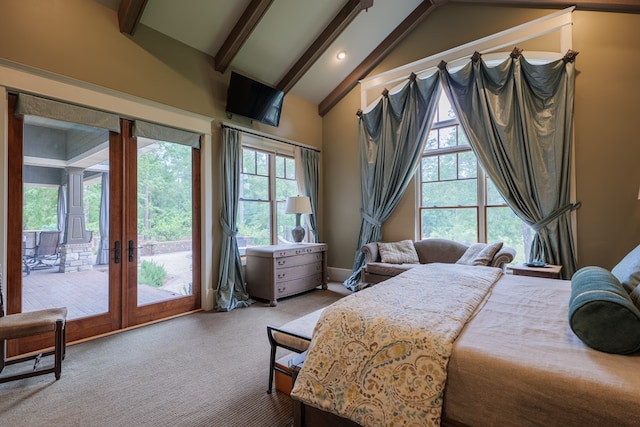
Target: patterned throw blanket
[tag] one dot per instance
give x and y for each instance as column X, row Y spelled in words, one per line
column 379, row 357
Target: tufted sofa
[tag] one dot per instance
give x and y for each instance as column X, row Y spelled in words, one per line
column 428, row 250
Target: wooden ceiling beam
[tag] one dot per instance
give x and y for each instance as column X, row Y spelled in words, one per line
column 324, row 40
column 129, row 14
column 375, row 57
column 240, row 33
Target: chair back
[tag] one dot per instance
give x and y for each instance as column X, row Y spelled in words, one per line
column 29, row 240
column 49, row 243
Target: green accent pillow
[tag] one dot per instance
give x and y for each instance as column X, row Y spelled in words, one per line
column 628, row 270
column 601, row 312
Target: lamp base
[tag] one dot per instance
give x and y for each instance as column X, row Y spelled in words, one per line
column 297, row 233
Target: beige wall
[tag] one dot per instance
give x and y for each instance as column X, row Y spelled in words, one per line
column 80, row 40
column 606, row 139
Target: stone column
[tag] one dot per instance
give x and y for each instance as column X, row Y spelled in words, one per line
column 76, row 251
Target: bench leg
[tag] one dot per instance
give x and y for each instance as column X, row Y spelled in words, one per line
column 272, row 367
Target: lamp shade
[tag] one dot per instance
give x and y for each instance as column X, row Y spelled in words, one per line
column 298, row 205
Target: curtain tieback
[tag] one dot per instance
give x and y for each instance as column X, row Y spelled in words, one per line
column 371, row 220
column 227, row 229
column 555, row 215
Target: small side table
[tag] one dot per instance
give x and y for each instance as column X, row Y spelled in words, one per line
column 550, row 271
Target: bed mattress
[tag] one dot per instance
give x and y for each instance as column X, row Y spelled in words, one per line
column 517, row 363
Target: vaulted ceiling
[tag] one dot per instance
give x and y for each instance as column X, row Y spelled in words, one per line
column 293, row 44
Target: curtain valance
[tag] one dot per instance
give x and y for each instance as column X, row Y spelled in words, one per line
column 30, row 105
column 165, row 133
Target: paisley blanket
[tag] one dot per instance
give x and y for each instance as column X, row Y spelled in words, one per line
column 379, row 356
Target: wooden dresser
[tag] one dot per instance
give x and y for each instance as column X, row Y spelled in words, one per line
column 283, row 270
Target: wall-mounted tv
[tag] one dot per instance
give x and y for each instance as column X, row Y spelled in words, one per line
column 254, row 100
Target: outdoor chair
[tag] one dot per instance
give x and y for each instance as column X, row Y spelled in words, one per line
column 21, row 325
column 29, row 241
column 47, row 251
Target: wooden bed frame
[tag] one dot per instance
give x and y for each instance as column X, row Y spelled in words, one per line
column 309, row 416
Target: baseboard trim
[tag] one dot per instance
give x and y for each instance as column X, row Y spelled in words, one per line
column 338, row 274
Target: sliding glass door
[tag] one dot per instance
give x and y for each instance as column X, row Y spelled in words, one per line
column 100, row 222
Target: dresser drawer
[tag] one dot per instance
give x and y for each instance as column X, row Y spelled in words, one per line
column 292, row 287
column 296, row 272
column 298, row 260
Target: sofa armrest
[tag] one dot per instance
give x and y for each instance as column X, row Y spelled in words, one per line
column 503, row 257
column 371, row 253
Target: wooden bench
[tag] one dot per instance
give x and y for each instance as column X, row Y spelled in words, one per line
column 295, row 336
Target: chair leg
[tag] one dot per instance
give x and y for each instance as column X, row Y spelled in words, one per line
column 59, row 348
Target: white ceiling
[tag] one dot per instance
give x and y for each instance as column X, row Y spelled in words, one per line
column 282, row 36
column 288, row 28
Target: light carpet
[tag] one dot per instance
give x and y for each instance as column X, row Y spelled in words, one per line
column 203, row 369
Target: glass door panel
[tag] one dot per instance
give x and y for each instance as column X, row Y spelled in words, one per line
column 63, row 169
column 164, row 220
column 161, row 220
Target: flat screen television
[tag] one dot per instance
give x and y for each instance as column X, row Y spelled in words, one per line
column 254, row 100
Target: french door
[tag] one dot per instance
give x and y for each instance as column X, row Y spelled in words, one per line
column 124, row 211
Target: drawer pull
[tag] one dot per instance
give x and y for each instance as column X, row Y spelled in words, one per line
column 281, row 262
column 281, row 275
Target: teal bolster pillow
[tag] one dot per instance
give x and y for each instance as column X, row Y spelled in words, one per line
column 601, row 312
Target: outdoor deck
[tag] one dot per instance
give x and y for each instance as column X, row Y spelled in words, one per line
column 83, row 293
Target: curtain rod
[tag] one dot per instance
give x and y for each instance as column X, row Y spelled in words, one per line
column 267, row 136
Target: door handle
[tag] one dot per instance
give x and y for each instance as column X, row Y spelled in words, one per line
column 117, row 252
column 131, row 250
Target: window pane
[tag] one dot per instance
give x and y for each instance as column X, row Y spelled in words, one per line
column 286, row 222
column 429, row 169
column 262, row 163
column 493, row 196
column 285, row 188
column 467, row 165
column 448, row 166
column 248, row 161
column 447, row 137
column 280, row 172
column 254, row 187
column 432, row 141
column 450, row 193
column 254, row 225
column 290, row 168
column 458, row 224
column 462, row 137
column 504, row 226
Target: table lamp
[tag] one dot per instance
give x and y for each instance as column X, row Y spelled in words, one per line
column 298, row 205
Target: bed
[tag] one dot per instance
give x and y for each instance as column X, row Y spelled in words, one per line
column 515, row 361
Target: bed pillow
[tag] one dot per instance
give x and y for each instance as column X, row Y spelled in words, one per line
column 601, row 312
column 628, row 270
column 480, row 254
column 398, row 252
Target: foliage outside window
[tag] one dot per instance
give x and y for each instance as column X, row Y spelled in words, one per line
column 457, row 200
column 267, row 179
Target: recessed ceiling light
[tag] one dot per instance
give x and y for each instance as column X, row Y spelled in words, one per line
column 341, row 55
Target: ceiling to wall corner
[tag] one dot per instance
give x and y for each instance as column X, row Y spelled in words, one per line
column 293, row 44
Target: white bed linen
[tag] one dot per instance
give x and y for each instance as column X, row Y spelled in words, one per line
column 517, row 363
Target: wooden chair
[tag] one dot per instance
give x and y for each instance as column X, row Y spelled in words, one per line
column 28, row 324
